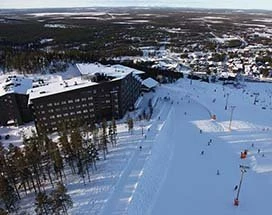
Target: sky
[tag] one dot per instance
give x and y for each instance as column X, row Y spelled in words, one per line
column 232, row 4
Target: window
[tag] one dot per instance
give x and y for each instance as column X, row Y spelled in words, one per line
column 49, row 105
column 84, row 105
column 107, row 101
column 70, row 101
column 90, row 104
column 58, row 115
column 72, row 113
column 79, row 112
column 83, row 99
column 56, row 103
column 85, row 111
column 77, row 100
column 63, row 102
column 90, row 98
column 66, row 114
column 52, row 117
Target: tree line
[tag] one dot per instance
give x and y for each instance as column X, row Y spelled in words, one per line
column 39, row 61
column 42, row 164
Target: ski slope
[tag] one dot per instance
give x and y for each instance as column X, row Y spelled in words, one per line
column 177, row 179
column 169, row 175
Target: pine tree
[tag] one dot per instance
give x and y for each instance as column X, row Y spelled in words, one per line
column 77, row 143
column 111, row 134
column 57, row 162
column 21, row 167
column 61, row 201
column 7, row 194
column 11, row 168
column 43, row 204
column 3, row 211
column 104, row 139
column 114, row 130
column 66, row 148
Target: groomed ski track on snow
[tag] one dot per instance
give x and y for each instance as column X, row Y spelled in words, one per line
column 124, row 189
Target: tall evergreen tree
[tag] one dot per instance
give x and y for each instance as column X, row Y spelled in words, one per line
column 43, row 204
column 104, row 138
column 61, row 201
column 130, row 125
column 114, row 131
column 7, row 194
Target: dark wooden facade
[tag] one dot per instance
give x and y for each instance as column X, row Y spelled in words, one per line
column 86, row 105
column 14, row 109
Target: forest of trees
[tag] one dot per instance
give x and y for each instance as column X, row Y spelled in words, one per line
column 42, row 166
column 38, row 61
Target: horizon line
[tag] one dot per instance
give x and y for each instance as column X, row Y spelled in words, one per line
column 149, row 7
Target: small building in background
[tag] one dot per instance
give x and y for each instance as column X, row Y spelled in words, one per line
column 149, row 84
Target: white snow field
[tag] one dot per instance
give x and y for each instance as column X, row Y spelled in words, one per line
column 175, row 172
column 176, row 178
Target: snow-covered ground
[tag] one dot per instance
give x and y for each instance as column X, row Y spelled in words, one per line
column 176, row 179
column 170, row 175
